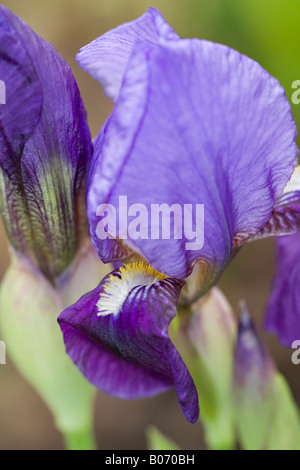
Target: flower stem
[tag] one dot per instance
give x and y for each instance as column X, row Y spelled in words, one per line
column 83, row 439
column 219, row 431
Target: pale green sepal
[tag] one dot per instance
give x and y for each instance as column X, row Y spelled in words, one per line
column 254, row 415
column 205, row 336
column 29, row 307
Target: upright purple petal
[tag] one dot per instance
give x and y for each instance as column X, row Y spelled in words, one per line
column 195, row 123
column 283, row 309
column 43, row 181
column 117, row 335
column 106, row 58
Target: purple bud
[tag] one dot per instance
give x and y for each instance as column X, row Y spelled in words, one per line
column 254, row 368
column 254, row 385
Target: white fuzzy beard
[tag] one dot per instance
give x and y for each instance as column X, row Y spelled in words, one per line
column 117, row 289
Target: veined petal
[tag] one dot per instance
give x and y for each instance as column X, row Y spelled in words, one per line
column 106, row 58
column 195, row 123
column 19, row 83
column 283, row 309
column 285, row 217
column 20, row 112
column 117, row 335
column 43, row 182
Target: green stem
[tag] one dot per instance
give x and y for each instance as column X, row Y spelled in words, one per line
column 80, row 440
column 219, row 431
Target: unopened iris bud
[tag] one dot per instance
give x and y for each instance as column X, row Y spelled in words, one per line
column 254, row 382
column 266, row 413
column 45, row 145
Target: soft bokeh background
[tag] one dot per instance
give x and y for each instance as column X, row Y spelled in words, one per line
column 267, row 32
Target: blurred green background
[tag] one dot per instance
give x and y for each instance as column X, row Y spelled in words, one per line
column 266, row 31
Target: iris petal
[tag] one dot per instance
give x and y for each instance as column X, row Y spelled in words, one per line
column 20, row 112
column 127, row 353
column 194, row 123
column 285, row 217
column 283, row 312
column 107, row 57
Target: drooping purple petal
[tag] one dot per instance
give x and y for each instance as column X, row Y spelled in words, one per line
column 283, row 309
column 127, row 353
column 43, row 182
column 106, row 58
column 195, row 123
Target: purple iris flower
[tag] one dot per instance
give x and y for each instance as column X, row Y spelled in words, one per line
column 45, row 147
column 45, row 152
column 194, row 123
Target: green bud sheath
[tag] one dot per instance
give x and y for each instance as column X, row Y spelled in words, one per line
column 205, row 336
column 284, row 434
column 29, row 308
